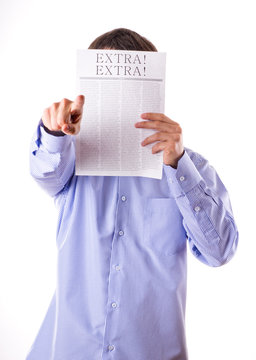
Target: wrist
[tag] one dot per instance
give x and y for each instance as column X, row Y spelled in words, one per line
column 174, row 164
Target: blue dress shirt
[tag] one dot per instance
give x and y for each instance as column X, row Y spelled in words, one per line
column 121, row 242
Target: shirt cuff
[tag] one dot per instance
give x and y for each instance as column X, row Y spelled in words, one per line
column 52, row 143
column 184, row 178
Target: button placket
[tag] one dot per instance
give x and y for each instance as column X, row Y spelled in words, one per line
column 115, row 280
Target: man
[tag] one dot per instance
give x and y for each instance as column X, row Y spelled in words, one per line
column 121, row 281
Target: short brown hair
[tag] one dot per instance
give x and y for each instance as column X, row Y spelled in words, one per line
column 122, row 39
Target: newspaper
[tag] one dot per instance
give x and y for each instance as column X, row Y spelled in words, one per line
column 118, row 87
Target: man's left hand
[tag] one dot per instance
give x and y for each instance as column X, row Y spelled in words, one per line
column 168, row 135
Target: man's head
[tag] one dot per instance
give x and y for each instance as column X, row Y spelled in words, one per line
column 122, row 39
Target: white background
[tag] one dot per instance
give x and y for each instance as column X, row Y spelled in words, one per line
column 210, row 91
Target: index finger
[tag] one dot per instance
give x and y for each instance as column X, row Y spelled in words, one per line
column 78, row 103
column 157, row 116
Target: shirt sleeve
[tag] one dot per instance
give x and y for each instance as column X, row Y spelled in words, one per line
column 52, row 160
column 206, row 209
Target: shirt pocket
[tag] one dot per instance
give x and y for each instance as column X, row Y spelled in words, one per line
column 163, row 228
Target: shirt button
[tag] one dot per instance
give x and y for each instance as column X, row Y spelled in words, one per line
column 182, row 178
column 111, row 347
column 114, row 305
column 123, row 198
column 117, row 267
column 121, row 232
column 197, row 208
